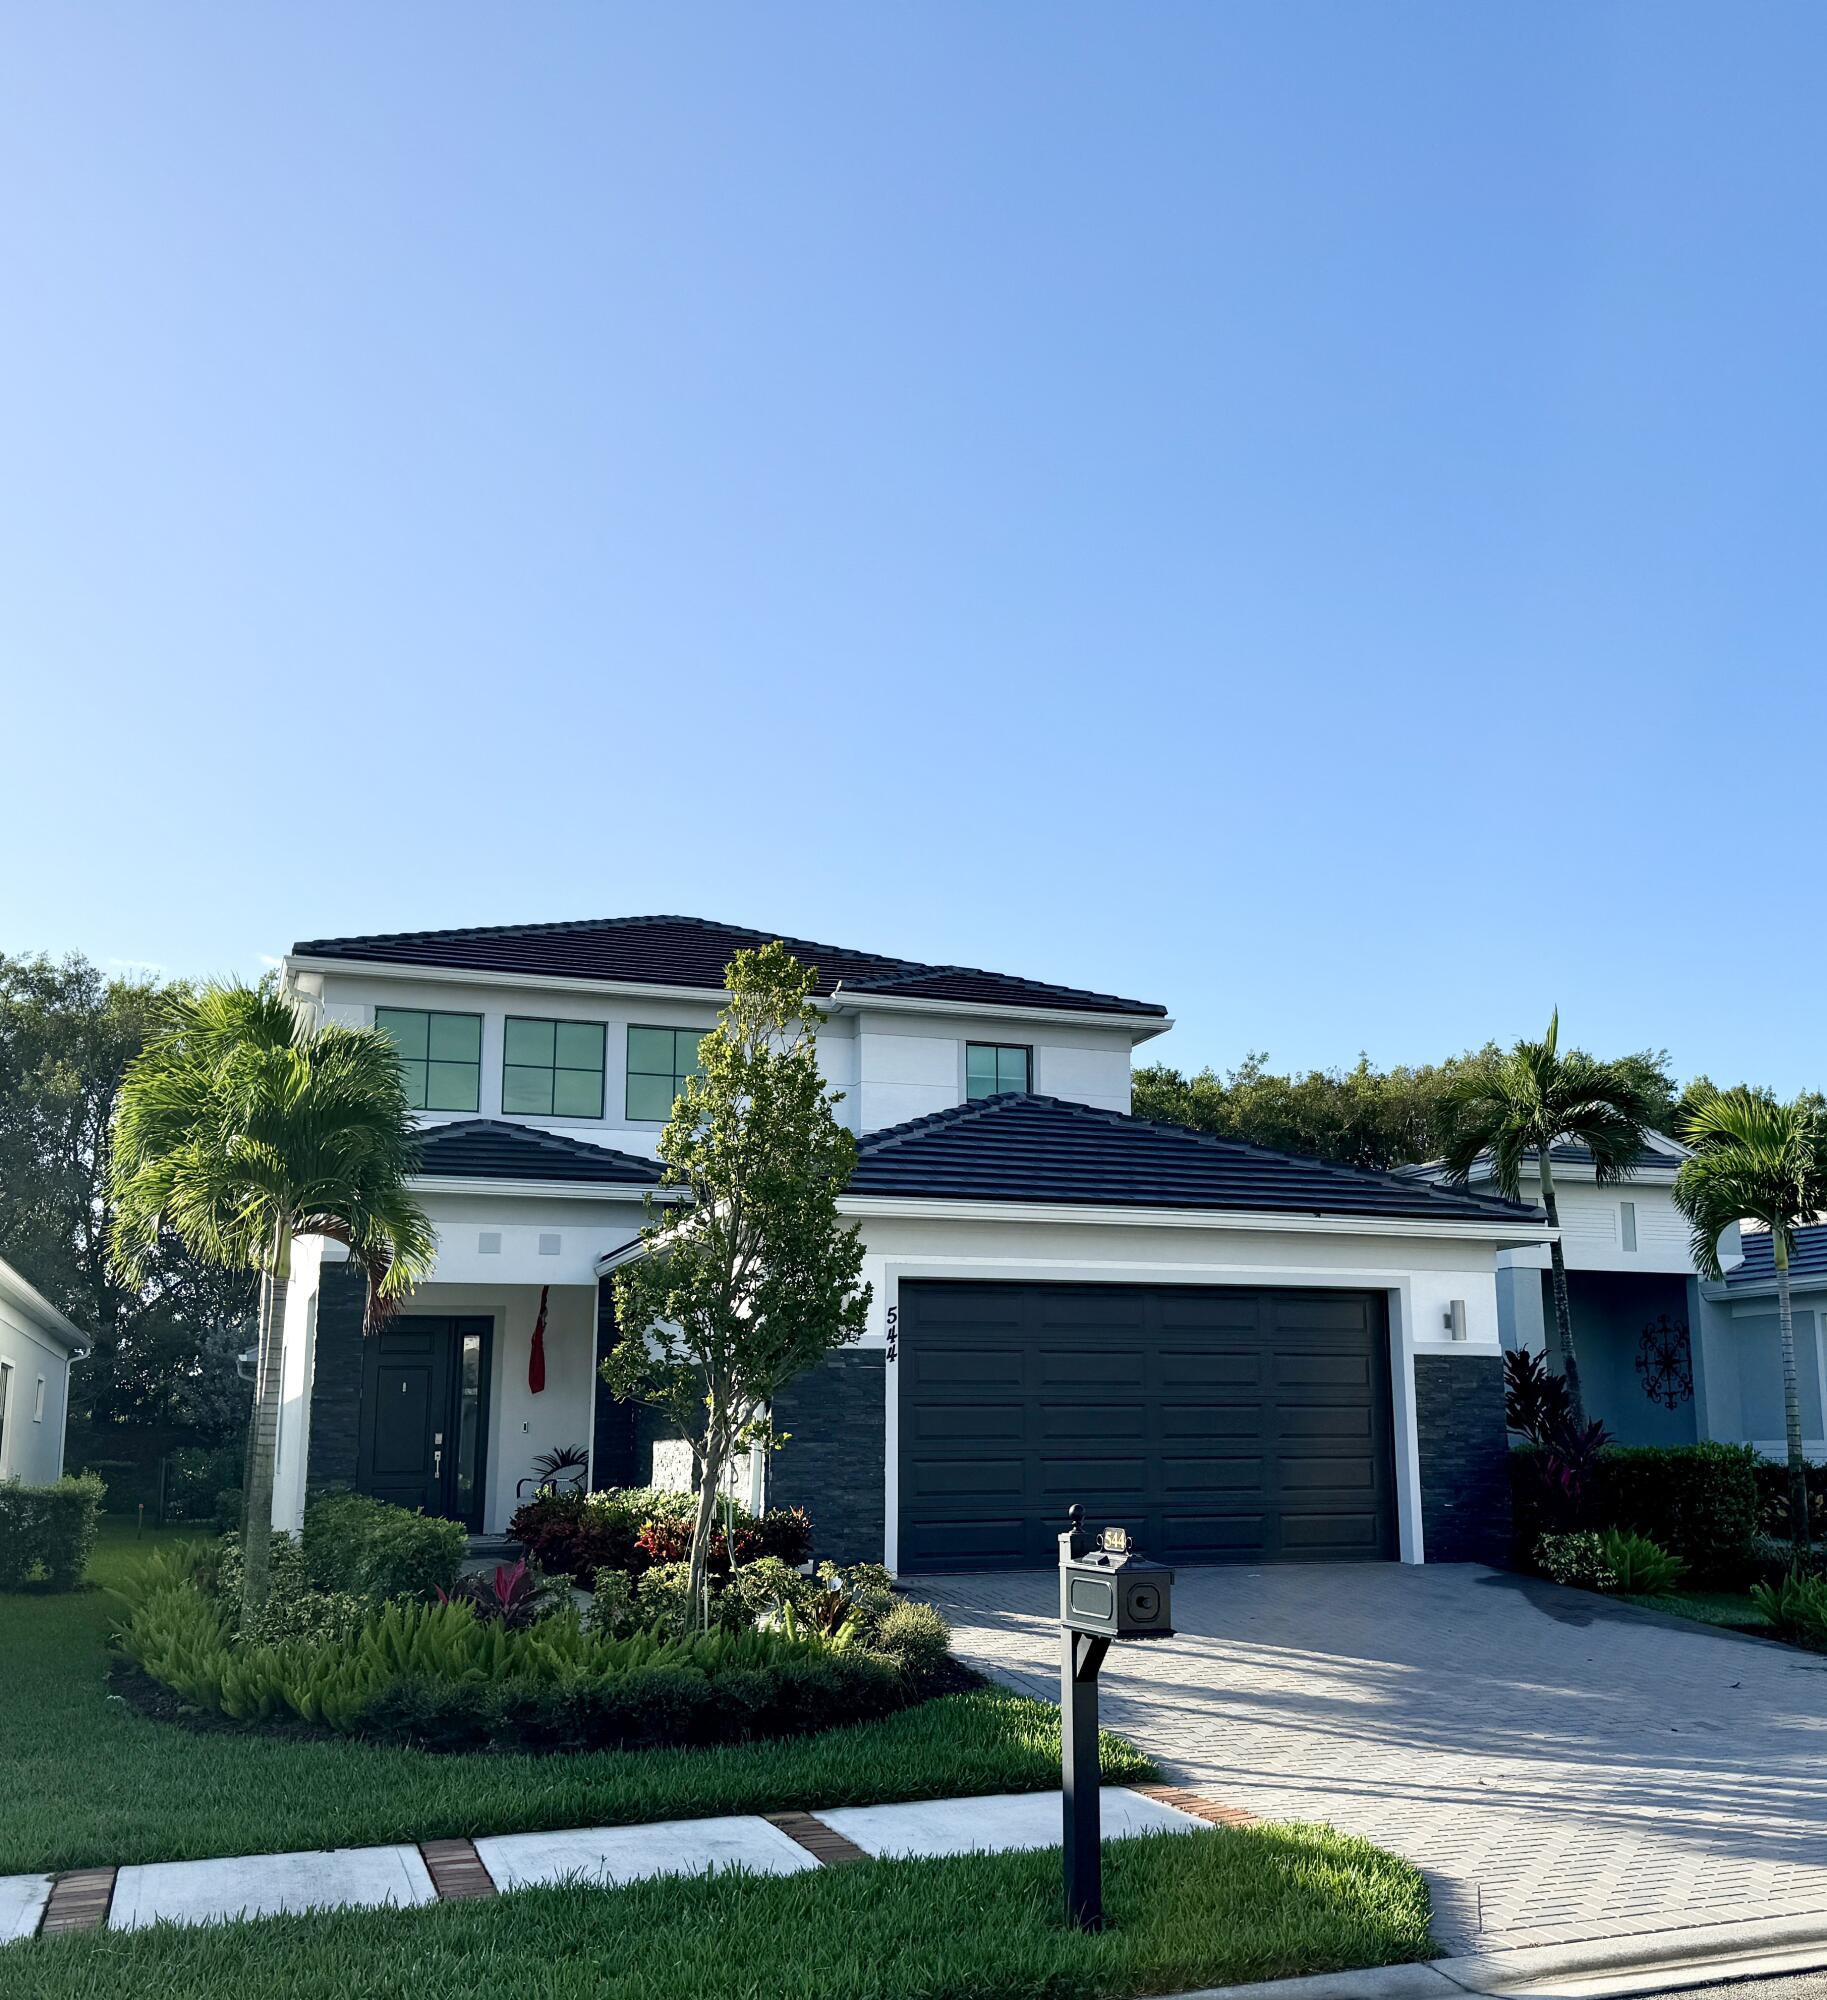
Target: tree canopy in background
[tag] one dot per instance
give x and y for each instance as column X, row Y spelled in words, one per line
column 1362, row 1117
column 165, row 1349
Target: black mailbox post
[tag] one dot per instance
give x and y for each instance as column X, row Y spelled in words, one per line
column 1106, row 1591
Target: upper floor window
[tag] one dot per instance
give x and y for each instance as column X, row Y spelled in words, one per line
column 990, row 1067
column 440, row 1056
column 553, row 1069
column 1627, row 1224
column 659, row 1061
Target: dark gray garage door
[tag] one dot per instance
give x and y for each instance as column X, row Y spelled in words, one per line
column 1217, row 1425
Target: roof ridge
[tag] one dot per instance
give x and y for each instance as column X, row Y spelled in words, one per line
column 1128, row 1121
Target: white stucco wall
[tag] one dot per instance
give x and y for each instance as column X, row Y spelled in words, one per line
column 1592, row 1237
column 889, row 1065
column 1419, row 1276
column 38, row 1389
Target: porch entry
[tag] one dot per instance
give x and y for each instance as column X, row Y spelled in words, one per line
column 424, row 1425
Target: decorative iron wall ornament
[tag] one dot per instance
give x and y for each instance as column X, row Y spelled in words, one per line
column 1665, row 1361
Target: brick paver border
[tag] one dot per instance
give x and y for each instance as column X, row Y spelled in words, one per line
column 1212, row 1811
column 457, row 1871
column 828, row 1847
column 78, row 1901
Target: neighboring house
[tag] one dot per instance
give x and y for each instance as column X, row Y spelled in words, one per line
column 37, row 1348
column 1240, row 1355
column 1663, row 1358
column 1738, row 1374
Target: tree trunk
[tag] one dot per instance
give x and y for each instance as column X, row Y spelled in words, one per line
column 263, row 1444
column 710, row 1477
column 1563, row 1310
column 1792, row 1405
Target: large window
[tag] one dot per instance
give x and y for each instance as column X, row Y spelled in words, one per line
column 659, row 1061
column 441, row 1055
column 990, row 1067
column 553, row 1069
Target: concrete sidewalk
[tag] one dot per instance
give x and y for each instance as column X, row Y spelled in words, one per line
column 351, row 1878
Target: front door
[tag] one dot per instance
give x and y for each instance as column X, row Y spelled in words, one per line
column 425, row 1415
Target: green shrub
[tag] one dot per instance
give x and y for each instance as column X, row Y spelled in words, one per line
column 435, row 1675
column 785, row 1532
column 48, row 1531
column 1697, row 1501
column 369, row 1549
column 1774, row 1556
column 1642, row 1569
column 1577, row 1559
column 613, row 1613
column 1796, row 1608
column 916, row 1639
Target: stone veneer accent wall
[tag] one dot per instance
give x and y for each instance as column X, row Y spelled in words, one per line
column 832, row 1465
column 1465, row 1455
column 336, row 1381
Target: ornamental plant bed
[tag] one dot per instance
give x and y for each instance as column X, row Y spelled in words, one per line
column 440, row 1676
column 636, row 1528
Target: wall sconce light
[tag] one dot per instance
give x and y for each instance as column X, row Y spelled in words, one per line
column 1453, row 1319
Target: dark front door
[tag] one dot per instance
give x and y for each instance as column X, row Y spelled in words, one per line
column 1217, row 1424
column 425, row 1415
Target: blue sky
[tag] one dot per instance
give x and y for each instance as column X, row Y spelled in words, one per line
column 1313, row 514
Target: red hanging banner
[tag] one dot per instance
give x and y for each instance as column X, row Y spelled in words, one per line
column 536, row 1360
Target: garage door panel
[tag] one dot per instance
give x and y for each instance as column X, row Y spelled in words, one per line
column 1069, row 1368
column 1092, row 1422
column 1218, row 1423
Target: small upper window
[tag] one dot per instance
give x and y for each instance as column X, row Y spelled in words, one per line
column 659, row 1061
column 990, row 1067
column 38, row 1403
column 440, row 1054
column 1627, row 1224
column 553, row 1069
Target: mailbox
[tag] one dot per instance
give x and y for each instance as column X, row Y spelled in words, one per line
column 1107, row 1590
column 1112, row 1592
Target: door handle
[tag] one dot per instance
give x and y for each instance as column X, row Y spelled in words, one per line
column 437, row 1453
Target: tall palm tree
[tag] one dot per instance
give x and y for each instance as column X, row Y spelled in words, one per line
column 1757, row 1160
column 1514, row 1106
column 239, row 1127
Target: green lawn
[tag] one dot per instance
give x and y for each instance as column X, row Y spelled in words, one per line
column 85, row 1780
column 1731, row 1608
column 1191, row 1910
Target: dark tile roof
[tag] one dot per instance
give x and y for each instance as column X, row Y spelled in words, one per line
column 490, row 1149
column 691, row 951
column 1016, row 1148
column 1807, row 1260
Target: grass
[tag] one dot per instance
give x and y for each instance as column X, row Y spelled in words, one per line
column 84, row 1780
column 1191, row 1910
column 1730, row 1608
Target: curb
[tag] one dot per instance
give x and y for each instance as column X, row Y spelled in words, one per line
column 1602, row 1969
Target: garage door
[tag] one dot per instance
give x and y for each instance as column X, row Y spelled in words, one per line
column 1217, row 1425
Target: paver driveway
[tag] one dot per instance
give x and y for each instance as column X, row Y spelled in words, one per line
column 1560, row 1767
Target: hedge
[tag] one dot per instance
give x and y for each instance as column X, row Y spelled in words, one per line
column 370, row 1549
column 1698, row 1501
column 50, row 1529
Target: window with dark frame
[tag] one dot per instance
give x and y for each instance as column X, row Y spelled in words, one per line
column 993, row 1067
column 440, row 1056
column 659, row 1061
column 552, row 1069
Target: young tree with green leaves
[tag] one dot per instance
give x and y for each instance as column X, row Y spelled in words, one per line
column 1513, row 1107
column 1758, row 1160
column 239, row 1127
column 752, row 1277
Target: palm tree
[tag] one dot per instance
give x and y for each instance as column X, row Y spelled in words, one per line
column 1515, row 1106
column 239, row 1127
column 1756, row 1160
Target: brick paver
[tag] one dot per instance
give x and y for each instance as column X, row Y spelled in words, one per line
column 1560, row 1767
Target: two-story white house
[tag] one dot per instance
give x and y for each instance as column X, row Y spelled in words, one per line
column 1241, row 1355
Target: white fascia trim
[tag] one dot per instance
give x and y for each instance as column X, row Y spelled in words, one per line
column 1279, row 1221
column 545, row 1190
column 1142, row 1026
column 28, row 1299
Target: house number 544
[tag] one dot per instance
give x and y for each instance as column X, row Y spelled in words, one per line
column 894, row 1331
